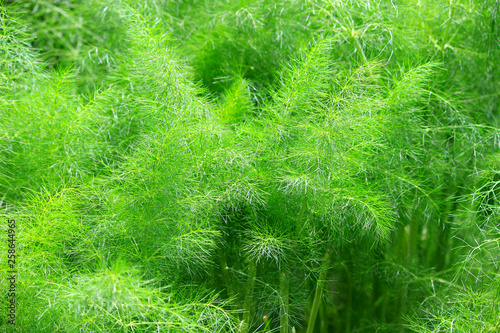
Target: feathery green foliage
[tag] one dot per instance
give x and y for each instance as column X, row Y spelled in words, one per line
column 251, row 166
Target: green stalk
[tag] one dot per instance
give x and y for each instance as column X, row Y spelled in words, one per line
column 252, row 273
column 358, row 45
column 323, row 319
column 440, row 256
column 300, row 218
column 348, row 316
column 319, row 289
column 303, row 207
column 285, row 306
column 224, row 271
column 408, row 236
column 379, row 297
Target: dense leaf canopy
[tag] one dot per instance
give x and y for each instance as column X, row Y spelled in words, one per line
column 251, row 166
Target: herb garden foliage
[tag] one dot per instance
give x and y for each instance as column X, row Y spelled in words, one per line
column 251, row 166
